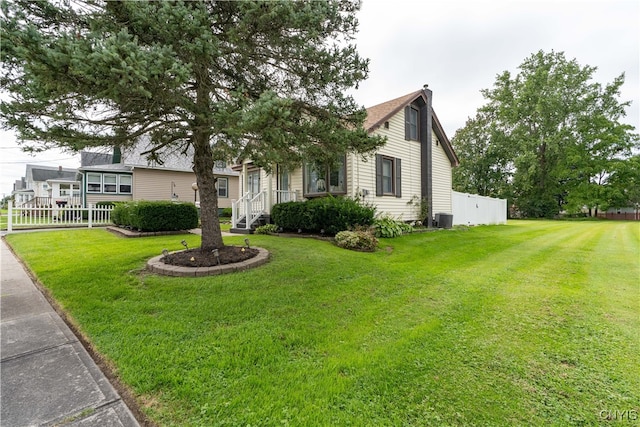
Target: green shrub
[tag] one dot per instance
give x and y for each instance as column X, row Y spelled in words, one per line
column 358, row 240
column 156, row 216
column 388, row 227
column 293, row 216
column 225, row 213
column 267, row 229
column 121, row 214
column 326, row 214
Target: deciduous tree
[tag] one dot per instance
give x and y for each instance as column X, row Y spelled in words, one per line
column 557, row 130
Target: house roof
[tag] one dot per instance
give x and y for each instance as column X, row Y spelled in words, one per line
column 90, row 158
column 378, row 114
column 110, row 167
column 133, row 158
column 37, row 173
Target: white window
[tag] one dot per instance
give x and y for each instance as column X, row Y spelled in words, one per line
column 94, row 183
column 65, row 190
column 320, row 179
column 110, row 183
column 254, row 183
column 223, row 187
column 387, row 176
column 411, row 127
column 125, row 184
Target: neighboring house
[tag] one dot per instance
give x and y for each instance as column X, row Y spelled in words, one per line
column 414, row 165
column 46, row 185
column 136, row 177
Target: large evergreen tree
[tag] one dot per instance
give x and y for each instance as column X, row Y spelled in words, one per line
column 224, row 80
column 555, row 131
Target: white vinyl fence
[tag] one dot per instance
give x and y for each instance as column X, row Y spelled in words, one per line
column 471, row 209
column 32, row 216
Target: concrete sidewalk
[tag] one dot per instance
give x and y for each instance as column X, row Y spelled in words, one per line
column 47, row 376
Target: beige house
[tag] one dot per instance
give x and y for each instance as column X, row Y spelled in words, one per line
column 414, row 165
column 137, row 178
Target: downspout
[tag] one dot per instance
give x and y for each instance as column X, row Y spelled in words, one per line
column 82, row 190
column 426, row 140
column 244, row 180
column 269, row 201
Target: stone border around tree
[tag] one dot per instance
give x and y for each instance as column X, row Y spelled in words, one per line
column 154, row 265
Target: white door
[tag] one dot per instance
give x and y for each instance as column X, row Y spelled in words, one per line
column 253, row 182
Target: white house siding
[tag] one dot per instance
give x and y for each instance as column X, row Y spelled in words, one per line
column 295, row 182
column 364, row 176
column 442, row 179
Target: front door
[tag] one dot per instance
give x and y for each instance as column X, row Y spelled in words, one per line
column 253, row 183
column 283, row 187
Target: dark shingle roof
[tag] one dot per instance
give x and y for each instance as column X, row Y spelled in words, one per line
column 87, row 158
column 39, row 174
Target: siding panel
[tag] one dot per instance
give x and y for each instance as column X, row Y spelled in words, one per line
column 409, row 153
column 442, row 179
column 156, row 184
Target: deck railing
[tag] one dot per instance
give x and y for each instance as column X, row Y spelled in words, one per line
column 40, row 201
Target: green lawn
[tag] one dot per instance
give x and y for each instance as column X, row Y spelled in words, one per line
column 532, row 323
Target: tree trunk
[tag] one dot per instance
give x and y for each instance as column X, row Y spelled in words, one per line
column 203, row 168
column 203, row 164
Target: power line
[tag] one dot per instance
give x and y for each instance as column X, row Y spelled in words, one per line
column 35, row 161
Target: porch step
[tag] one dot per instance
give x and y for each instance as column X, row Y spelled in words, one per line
column 241, row 228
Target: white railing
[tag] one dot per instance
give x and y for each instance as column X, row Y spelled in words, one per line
column 256, row 205
column 249, row 208
column 34, row 216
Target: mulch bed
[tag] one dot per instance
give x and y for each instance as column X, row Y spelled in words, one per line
column 198, row 258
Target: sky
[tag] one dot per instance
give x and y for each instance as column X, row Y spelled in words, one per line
column 457, row 47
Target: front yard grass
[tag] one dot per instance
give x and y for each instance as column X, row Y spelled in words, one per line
column 533, row 323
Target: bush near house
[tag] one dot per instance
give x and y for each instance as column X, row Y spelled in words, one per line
column 326, row 214
column 358, row 240
column 388, row 227
column 156, row 216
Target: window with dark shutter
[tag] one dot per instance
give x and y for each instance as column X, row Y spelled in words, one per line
column 388, row 176
column 411, row 123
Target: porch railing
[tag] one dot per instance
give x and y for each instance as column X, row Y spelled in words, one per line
column 249, row 207
column 36, row 216
column 256, row 205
